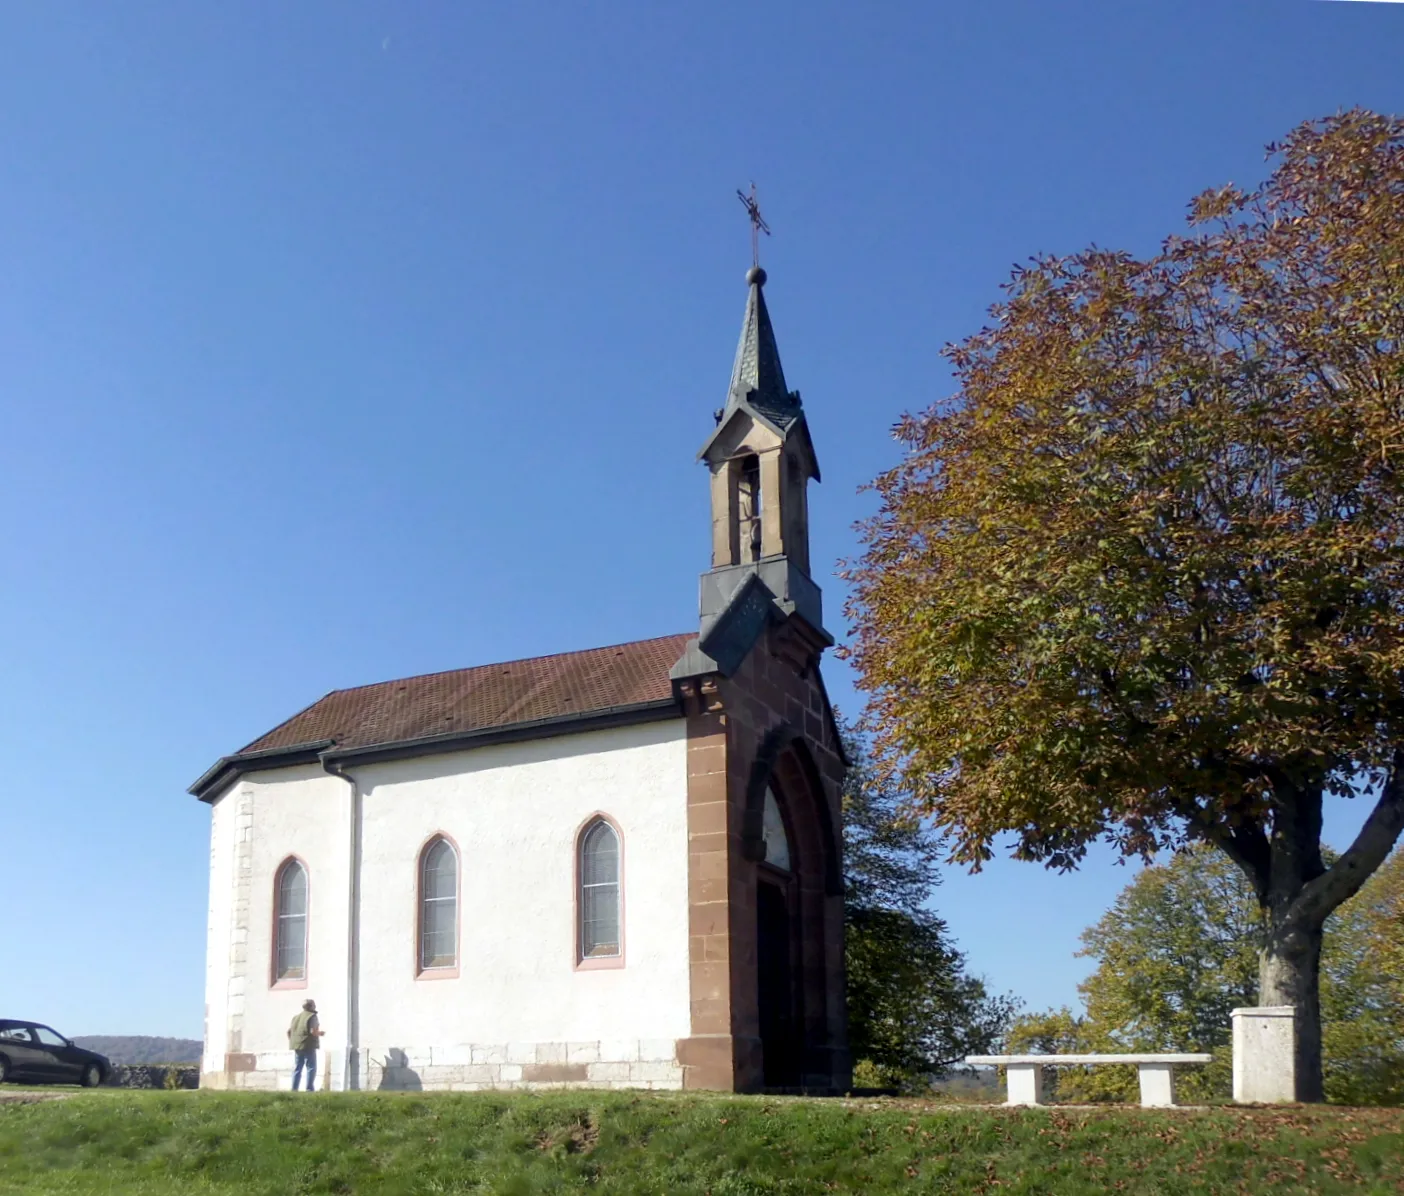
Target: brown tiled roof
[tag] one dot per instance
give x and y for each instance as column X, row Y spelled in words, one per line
column 485, row 697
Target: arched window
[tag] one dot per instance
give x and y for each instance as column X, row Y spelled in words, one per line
column 438, row 906
column 600, row 930
column 777, row 843
column 290, row 922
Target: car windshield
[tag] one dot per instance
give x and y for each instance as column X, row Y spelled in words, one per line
column 49, row 1037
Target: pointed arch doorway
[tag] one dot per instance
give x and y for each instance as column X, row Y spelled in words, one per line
column 779, row 995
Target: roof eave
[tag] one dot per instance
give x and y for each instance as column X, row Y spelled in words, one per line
column 738, row 407
column 801, row 427
column 228, row 769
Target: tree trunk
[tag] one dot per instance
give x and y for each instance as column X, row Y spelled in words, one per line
column 1297, row 893
column 1289, row 973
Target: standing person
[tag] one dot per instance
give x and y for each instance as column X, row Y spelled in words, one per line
column 302, row 1037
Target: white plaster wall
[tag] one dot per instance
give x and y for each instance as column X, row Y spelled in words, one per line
column 303, row 812
column 514, row 811
column 217, row 934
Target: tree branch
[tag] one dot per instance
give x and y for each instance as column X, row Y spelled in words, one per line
column 1245, row 843
column 1374, row 842
column 1247, row 846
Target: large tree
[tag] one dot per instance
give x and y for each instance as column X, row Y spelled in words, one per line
column 1143, row 579
column 913, row 1008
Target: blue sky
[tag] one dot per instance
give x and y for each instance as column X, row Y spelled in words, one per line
column 340, row 342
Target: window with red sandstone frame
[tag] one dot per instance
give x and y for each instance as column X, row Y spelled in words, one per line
column 599, row 891
column 290, row 946
column 438, row 914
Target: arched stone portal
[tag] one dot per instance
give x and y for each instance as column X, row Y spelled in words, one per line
column 796, row 900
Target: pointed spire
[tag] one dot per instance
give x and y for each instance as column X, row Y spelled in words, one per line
column 756, row 376
column 757, row 365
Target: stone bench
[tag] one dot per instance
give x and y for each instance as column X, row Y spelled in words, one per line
column 1025, row 1073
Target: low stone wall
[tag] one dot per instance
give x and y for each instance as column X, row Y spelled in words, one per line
column 153, row 1075
column 470, row 1067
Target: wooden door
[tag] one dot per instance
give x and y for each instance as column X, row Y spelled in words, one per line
column 776, row 977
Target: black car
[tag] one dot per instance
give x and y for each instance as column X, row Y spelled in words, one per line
column 32, row 1051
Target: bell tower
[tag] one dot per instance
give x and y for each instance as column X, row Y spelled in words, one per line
column 760, row 456
column 765, row 905
column 760, row 460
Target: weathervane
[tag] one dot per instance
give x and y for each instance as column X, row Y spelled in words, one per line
column 758, row 224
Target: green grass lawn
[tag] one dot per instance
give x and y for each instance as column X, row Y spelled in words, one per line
column 207, row 1142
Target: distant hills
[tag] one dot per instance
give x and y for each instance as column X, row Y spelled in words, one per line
column 137, row 1048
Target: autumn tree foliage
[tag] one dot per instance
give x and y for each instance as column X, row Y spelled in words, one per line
column 1143, row 579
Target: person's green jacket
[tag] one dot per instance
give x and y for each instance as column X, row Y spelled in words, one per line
column 302, row 1034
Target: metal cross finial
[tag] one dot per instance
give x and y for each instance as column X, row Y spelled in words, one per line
column 758, row 224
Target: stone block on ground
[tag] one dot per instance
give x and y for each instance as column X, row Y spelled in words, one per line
column 1265, row 1054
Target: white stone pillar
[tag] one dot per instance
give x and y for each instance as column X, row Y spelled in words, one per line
column 1265, row 1054
column 1157, row 1085
column 1025, row 1081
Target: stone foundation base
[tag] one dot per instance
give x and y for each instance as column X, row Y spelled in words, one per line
column 471, row 1067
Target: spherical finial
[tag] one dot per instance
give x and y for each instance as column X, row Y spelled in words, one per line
column 755, row 276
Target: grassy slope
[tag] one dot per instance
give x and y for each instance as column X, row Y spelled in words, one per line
column 127, row 1143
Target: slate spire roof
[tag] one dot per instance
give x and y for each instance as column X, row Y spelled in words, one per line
column 757, row 378
column 758, row 381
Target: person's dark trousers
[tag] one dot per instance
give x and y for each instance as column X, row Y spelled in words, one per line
column 307, row 1059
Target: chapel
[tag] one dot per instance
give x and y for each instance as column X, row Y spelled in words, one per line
column 617, row 867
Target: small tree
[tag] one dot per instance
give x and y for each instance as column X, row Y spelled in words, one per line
column 1362, row 992
column 913, row 1010
column 1061, row 1032
column 1179, row 949
column 1176, row 954
column 1144, row 579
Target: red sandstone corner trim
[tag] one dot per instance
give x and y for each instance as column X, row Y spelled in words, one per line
column 444, row 973
column 596, row 963
column 709, row 1055
column 273, row 981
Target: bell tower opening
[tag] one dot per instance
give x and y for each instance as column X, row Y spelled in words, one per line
column 748, row 509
